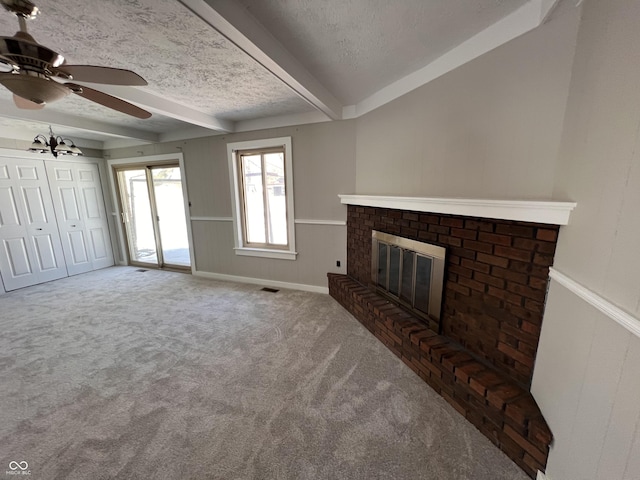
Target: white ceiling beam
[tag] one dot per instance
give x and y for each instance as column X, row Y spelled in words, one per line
column 235, row 23
column 18, row 133
column 281, row 121
column 51, row 117
column 158, row 104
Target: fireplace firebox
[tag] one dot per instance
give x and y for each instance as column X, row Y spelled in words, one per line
column 409, row 272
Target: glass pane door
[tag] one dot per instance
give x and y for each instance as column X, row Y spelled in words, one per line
column 138, row 216
column 172, row 222
column 154, row 216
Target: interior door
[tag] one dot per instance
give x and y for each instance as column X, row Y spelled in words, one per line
column 82, row 218
column 31, row 251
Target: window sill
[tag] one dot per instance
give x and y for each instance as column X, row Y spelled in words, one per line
column 266, row 253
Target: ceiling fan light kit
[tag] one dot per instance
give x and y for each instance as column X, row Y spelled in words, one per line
column 36, row 75
column 55, row 144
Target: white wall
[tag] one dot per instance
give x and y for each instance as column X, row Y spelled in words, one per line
column 489, row 129
column 587, row 373
column 323, row 167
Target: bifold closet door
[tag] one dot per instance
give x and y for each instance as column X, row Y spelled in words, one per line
column 30, row 250
column 82, row 218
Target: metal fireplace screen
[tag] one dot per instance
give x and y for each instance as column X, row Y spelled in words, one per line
column 410, row 272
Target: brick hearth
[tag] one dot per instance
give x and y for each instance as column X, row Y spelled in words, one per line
column 480, row 355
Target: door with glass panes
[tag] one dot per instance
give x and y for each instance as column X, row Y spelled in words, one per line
column 153, row 214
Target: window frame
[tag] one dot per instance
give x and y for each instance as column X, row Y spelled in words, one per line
column 241, row 245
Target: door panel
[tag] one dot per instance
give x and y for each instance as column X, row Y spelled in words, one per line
column 98, row 244
column 8, row 209
column 172, row 221
column 77, row 196
column 79, row 252
column 18, row 258
column 91, row 207
column 34, row 205
column 95, row 216
column 45, row 252
column 27, row 172
column 31, row 249
column 69, row 204
column 138, row 216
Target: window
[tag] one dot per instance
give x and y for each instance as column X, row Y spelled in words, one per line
column 261, row 176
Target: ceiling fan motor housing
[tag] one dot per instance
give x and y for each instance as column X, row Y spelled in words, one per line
column 30, row 70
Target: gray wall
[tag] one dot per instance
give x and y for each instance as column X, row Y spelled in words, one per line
column 323, row 167
column 587, row 377
column 553, row 114
column 489, row 129
column 494, row 128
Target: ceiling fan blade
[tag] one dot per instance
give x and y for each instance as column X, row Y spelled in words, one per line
column 26, row 104
column 106, row 75
column 108, row 101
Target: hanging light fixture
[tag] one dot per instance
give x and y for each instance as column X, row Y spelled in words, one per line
column 55, row 144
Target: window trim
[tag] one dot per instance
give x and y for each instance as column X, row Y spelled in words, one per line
column 287, row 252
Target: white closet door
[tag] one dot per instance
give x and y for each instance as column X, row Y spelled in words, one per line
column 82, row 219
column 31, row 251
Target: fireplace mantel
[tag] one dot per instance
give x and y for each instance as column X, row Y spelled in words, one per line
column 548, row 212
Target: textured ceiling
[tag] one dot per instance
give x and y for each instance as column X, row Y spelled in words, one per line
column 181, row 57
column 355, row 48
column 83, row 108
column 351, row 48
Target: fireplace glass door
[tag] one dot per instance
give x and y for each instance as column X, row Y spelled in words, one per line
column 408, row 271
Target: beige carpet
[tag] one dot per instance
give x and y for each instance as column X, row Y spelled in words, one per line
column 159, row 375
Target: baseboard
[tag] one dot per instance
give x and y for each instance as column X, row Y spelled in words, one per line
column 262, row 281
column 542, row 476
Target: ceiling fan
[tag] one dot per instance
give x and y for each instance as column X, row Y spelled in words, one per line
column 36, row 75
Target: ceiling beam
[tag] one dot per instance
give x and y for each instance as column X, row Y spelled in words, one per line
column 235, row 23
column 156, row 103
column 20, row 133
column 52, row 117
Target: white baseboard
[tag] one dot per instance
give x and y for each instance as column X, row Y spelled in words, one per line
column 542, row 476
column 262, row 281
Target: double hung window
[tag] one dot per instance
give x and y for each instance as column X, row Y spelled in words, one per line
column 263, row 197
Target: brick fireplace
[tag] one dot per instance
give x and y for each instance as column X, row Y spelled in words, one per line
column 480, row 355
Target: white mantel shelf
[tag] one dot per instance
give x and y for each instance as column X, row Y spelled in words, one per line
column 554, row 213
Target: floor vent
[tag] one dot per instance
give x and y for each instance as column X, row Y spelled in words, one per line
column 141, row 270
column 270, row 290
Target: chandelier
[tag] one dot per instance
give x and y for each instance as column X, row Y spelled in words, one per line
column 55, row 144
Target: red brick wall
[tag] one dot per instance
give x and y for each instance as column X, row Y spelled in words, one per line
column 504, row 412
column 495, row 278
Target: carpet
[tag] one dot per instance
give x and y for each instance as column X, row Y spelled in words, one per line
column 122, row 374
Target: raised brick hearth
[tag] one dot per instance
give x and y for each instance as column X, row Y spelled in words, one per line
column 480, row 355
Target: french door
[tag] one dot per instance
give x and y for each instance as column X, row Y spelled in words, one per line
column 153, row 215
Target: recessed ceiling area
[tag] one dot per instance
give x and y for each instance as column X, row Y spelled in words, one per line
column 233, row 65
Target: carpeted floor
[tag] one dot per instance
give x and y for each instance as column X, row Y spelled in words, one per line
column 159, row 375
